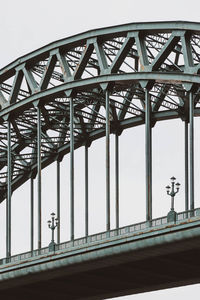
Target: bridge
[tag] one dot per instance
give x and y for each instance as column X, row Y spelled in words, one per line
column 65, row 96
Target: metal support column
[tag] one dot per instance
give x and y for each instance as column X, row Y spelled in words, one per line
column 117, row 178
column 191, row 116
column 186, row 166
column 148, row 156
column 39, row 176
column 9, row 191
column 72, row 167
column 32, row 214
column 58, row 201
column 86, row 191
column 107, row 161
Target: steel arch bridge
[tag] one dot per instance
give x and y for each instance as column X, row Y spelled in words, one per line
column 73, row 91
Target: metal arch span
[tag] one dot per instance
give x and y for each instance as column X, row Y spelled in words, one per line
column 73, row 91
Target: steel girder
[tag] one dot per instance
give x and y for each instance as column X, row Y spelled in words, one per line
column 162, row 57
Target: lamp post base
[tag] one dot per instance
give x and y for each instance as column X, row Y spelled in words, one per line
column 52, row 246
column 172, row 216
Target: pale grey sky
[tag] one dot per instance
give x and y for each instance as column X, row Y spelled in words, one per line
column 27, row 25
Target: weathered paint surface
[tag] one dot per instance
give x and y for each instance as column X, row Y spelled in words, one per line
column 138, row 251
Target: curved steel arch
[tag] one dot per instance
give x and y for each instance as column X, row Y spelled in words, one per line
column 161, row 57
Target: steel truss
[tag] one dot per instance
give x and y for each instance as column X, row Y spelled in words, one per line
column 73, row 91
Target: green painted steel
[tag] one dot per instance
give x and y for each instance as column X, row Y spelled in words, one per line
column 92, row 85
column 128, row 250
column 72, row 167
column 26, row 104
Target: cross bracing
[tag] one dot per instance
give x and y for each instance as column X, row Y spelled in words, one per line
column 73, row 91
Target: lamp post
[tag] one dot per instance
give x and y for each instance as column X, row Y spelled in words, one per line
column 171, row 217
column 53, row 223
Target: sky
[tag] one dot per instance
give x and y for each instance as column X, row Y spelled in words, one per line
column 27, row 25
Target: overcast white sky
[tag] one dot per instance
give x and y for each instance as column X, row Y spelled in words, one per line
column 27, row 25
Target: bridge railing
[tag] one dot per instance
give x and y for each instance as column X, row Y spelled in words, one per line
column 103, row 236
column 188, row 214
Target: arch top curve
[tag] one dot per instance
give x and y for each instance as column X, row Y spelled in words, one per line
column 161, row 56
column 123, row 29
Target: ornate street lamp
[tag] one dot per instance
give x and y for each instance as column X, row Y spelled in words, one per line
column 171, row 217
column 53, row 223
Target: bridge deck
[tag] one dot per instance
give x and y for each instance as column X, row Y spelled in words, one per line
column 157, row 257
